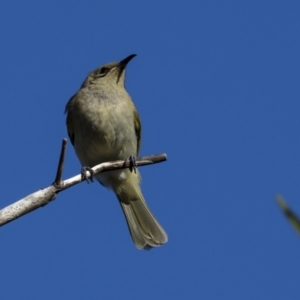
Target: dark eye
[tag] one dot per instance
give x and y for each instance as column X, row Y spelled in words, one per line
column 102, row 72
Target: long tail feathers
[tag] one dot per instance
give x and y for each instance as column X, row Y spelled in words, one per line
column 145, row 231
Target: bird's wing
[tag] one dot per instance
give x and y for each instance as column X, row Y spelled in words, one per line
column 138, row 129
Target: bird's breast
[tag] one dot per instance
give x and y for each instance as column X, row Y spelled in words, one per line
column 104, row 131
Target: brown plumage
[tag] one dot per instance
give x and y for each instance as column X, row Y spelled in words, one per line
column 103, row 125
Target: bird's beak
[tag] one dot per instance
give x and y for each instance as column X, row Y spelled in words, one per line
column 123, row 63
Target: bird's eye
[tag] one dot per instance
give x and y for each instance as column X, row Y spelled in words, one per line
column 102, row 72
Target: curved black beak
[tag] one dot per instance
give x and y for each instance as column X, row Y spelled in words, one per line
column 123, row 63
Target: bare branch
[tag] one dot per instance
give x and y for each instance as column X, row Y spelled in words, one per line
column 44, row 196
column 112, row 165
column 61, row 162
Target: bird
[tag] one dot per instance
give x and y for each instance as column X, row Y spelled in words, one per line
column 103, row 125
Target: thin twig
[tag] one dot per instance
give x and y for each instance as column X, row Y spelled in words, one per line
column 61, row 162
column 112, row 165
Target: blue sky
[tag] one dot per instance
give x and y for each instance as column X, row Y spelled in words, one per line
column 217, row 86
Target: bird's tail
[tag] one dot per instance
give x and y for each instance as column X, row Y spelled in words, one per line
column 145, row 231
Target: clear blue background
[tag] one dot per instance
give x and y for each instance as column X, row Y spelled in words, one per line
column 217, row 86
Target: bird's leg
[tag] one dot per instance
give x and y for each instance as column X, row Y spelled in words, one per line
column 84, row 171
column 132, row 163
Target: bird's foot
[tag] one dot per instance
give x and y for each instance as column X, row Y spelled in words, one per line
column 84, row 171
column 132, row 163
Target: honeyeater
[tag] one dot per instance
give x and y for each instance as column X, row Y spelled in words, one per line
column 104, row 125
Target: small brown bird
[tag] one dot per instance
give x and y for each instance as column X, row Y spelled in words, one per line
column 103, row 125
